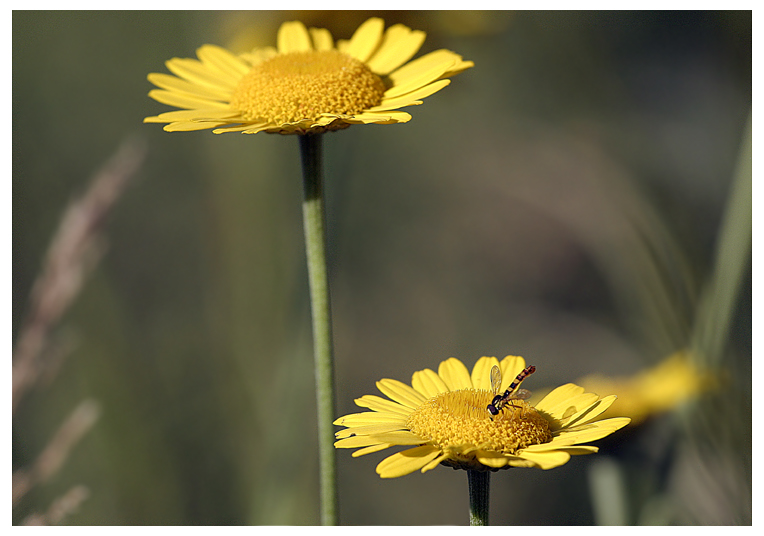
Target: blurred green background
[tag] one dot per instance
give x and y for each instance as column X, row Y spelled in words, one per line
column 561, row 200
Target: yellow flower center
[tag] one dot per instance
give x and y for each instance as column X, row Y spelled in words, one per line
column 459, row 419
column 303, row 85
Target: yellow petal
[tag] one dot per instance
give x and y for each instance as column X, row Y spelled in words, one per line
column 293, row 37
column 559, row 396
column 545, row 460
column 380, row 404
column 580, row 450
column 369, row 417
column 515, row 461
column 178, row 85
column 258, row 55
column 590, row 413
column 587, row 435
column 557, row 442
column 454, row 374
column 493, row 459
column 582, row 434
column 371, row 449
column 240, row 128
column 366, row 39
column 481, row 373
column 400, row 392
column 198, row 73
column 183, row 100
column 511, row 366
column 406, row 462
column 254, row 129
column 379, row 118
column 399, row 45
column 369, row 429
column 190, row 126
column 356, row 441
column 434, row 463
column 594, row 430
column 573, row 450
column 428, row 383
column 565, row 401
column 342, row 45
column 195, row 115
column 322, row 39
column 420, row 72
column 458, row 67
column 399, row 437
column 224, row 61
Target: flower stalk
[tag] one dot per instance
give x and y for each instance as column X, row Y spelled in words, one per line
column 479, row 489
column 315, row 248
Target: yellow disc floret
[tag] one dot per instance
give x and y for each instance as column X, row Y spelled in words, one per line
column 304, row 85
column 460, row 418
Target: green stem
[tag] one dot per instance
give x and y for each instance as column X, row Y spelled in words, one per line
column 315, row 247
column 480, row 488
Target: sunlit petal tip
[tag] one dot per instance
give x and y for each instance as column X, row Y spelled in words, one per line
column 510, row 367
column 400, row 392
column 491, row 459
column 558, row 400
column 407, row 461
column 459, row 67
column 399, row 45
column 454, row 374
column 322, row 39
column 481, row 372
column 547, row 460
column 591, row 411
column 380, row 404
column 293, row 36
column 366, row 39
column 428, row 383
column 370, row 450
column 434, row 463
column 190, row 126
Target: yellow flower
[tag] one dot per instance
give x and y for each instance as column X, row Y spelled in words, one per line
column 444, row 416
column 306, row 84
column 658, row 389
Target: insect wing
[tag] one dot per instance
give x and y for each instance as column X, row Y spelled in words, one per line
column 521, row 394
column 495, row 379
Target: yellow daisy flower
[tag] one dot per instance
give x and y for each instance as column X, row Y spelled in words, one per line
column 444, row 416
column 672, row 382
column 306, row 84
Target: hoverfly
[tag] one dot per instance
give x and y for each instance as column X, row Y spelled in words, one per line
column 499, row 402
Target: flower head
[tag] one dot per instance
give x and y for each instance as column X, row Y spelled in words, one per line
column 305, row 84
column 672, row 382
column 444, row 417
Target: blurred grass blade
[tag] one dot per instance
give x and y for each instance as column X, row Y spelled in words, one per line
column 717, row 305
column 607, row 491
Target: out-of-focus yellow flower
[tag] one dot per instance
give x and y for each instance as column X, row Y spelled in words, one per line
column 305, row 84
column 444, row 416
column 655, row 390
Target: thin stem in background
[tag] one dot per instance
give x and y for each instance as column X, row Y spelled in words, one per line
column 315, row 247
column 57, row 451
column 717, row 308
column 479, row 490
column 73, row 252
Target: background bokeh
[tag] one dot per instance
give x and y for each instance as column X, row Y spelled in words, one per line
column 561, row 200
